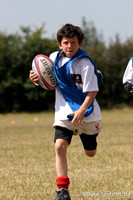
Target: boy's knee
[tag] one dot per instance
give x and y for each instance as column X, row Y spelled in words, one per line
column 61, row 146
column 90, row 153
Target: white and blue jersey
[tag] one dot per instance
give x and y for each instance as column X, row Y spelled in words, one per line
column 82, row 72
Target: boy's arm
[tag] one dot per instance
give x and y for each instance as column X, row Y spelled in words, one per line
column 79, row 114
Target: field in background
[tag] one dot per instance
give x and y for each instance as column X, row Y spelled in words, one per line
column 27, row 159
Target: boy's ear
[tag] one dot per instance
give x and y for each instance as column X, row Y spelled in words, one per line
column 59, row 45
column 81, row 43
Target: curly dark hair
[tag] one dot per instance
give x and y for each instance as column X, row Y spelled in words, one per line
column 69, row 31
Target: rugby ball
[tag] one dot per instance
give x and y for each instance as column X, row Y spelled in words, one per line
column 43, row 66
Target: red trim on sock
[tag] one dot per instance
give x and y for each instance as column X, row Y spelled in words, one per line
column 62, row 182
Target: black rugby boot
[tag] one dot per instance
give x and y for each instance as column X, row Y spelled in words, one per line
column 62, row 195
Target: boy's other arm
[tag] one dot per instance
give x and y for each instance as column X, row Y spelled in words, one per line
column 79, row 114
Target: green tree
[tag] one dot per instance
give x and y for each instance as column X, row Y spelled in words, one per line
column 116, row 57
column 18, row 93
column 11, row 82
column 36, row 98
column 16, row 54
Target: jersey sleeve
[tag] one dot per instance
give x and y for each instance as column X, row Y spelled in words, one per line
column 89, row 77
column 53, row 55
column 128, row 74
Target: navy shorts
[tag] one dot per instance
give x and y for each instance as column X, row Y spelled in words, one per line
column 89, row 141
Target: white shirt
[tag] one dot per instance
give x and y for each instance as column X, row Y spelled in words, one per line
column 84, row 67
column 128, row 75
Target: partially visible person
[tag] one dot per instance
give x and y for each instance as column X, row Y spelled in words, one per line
column 128, row 77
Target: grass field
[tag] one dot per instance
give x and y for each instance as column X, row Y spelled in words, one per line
column 27, row 159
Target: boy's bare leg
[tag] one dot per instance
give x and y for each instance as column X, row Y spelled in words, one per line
column 61, row 160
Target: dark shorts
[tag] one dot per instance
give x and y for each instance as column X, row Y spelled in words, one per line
column 89, row 141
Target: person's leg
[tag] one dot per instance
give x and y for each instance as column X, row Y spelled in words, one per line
column 89, row 143
column 63, row 138
column 90, row 153
column 61, row 160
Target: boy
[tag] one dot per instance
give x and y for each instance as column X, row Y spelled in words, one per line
column 128, row 77
column 76, row 109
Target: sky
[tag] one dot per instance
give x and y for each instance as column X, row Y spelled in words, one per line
column 110, row 17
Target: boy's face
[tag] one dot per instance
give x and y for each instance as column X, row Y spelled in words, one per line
column 70, row 46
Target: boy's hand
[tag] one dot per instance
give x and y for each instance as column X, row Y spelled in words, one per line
column 34, row 77
column 79, row 114
column 78, row 118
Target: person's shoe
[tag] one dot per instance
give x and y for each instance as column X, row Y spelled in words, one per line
column 62, row 195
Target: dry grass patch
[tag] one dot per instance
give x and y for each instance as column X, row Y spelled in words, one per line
column 27, row 159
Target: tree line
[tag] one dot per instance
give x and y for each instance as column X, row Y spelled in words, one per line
column 18, row 93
